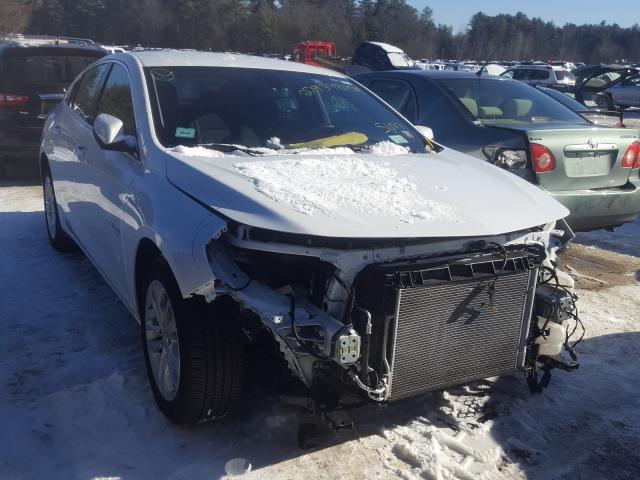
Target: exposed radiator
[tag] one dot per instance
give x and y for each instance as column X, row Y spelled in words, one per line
column 442, row 325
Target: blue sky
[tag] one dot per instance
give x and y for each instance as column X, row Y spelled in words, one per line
column 457, row 13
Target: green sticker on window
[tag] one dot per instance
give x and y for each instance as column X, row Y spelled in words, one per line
column 182, row 132
column 398, row 139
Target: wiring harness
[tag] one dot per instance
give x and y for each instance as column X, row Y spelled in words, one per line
column 536, row 384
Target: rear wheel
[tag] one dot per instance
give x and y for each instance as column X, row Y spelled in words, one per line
column 194, row 353
column 57, row 236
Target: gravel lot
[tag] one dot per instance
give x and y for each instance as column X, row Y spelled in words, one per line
column 74, row 399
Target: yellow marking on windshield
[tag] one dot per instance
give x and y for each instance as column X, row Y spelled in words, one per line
column 389, row 128
column 349, row 138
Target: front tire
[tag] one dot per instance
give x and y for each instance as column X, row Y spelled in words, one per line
column 57, row 236
column 193, row 352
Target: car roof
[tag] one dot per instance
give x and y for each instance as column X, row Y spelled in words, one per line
column 193, row 58
column 37, row 42
column 432, row 74
column 385, row 46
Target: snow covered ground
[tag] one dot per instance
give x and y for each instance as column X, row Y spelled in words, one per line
column 75, row 404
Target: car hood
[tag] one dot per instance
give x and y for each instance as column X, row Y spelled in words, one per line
column 448, row 194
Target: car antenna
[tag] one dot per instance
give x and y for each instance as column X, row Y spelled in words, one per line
column 486, row 62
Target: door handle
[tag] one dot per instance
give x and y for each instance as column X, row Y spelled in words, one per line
column 81, row 152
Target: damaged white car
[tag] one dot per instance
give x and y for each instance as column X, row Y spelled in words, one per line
column 224, row 196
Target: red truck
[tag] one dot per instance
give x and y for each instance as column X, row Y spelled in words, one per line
column 313, row 53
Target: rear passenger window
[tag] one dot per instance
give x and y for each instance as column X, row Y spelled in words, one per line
column 399, row 95
column 116, row 99
column 84, row 103
column 538, row 74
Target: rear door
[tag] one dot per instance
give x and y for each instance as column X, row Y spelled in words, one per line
column 627, row 94
column 586, row 158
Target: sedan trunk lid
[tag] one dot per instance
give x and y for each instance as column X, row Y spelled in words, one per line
column 586, row 157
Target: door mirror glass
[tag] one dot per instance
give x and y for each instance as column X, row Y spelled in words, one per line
column 109, row 132
column 426, row 132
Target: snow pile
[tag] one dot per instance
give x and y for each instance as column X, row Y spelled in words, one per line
column 199, row 152
column 211, row 153
column 76, row 403
column 387, row 148
column 276, row 148
column 330, row 184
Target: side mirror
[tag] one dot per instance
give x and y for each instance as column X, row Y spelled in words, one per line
column 109, row 132
column 426, row 132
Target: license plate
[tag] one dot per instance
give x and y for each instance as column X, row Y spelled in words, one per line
column 47, row 105
column 588, row 165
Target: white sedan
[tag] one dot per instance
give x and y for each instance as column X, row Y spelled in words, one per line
column 231, row 200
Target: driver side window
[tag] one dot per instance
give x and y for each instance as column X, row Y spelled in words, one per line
column 84, row 103
column 116, row 99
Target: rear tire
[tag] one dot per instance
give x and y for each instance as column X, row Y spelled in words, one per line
column 194, row 353
column 57, row 236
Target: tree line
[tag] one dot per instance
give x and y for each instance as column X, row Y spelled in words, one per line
column 272, row 26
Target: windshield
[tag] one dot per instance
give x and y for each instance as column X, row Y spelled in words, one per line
column 399, row 59
column 269, row 108
column 502, row 102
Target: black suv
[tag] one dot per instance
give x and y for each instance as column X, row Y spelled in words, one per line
column 34, row 73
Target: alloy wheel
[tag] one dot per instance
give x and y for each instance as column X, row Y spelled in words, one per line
column 161, row 335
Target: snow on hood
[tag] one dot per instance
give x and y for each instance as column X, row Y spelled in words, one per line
column 447, row 194
column 326, row 185
column 380, row 148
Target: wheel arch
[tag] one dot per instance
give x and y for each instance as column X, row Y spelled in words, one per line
column 146, row 252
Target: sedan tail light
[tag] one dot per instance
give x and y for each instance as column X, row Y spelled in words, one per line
column 543, row 159
column 12, row 100
column 631, row 158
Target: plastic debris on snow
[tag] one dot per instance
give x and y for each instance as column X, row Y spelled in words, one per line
column 237, row 467
column 311, row 184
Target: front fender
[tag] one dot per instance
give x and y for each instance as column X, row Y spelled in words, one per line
column 178, row 226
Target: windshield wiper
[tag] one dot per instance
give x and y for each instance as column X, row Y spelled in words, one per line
column 229, row 148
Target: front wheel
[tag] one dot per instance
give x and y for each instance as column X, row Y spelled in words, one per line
column 193, row 352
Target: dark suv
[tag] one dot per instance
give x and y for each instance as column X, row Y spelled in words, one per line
column 34, row 73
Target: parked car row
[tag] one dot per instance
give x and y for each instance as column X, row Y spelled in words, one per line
column 232, row 200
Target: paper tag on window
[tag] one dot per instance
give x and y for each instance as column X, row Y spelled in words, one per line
column 398, row 139
column 182, row 132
